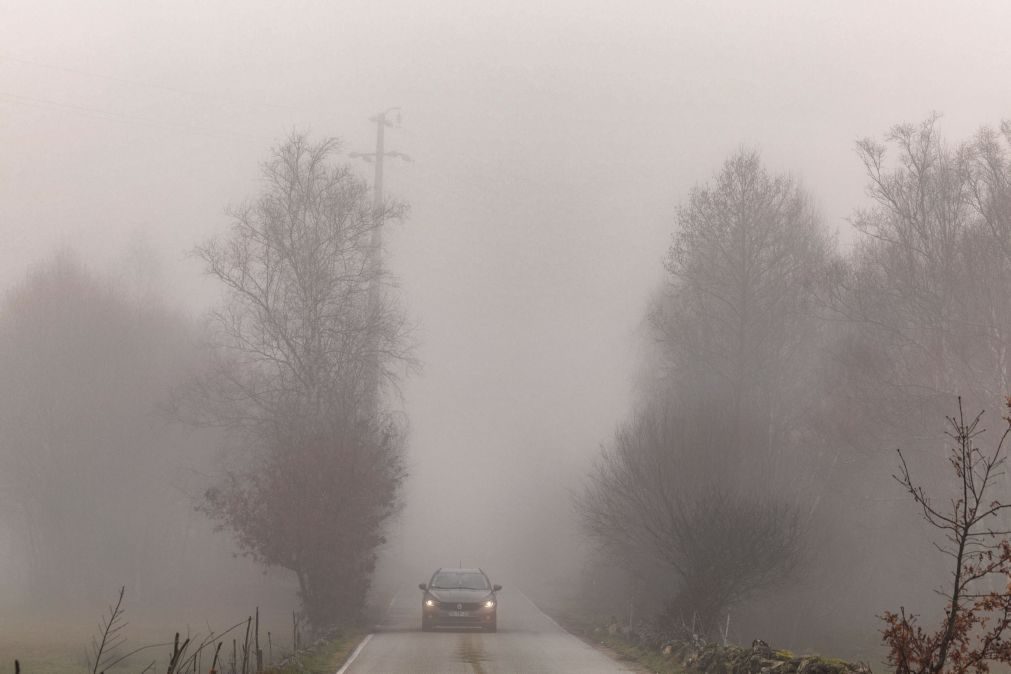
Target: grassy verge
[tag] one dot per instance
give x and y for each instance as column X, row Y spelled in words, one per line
column 652, row 652
column 680, row 658
column 41, row 658
column 61, row 661
column 39, row 653
column 590, row 630
column 647, row 658
column 324, row 658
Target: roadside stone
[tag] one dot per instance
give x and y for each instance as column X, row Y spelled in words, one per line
column 694, row 656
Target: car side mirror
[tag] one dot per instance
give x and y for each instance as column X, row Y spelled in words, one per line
column 423, row 587
column 496, row 588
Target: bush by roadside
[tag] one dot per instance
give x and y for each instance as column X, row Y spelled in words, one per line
column 661, row 653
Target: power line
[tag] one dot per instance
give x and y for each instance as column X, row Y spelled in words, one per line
column 142, row 84
column 110, row 115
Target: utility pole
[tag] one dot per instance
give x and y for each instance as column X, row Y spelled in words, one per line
column 376, row 245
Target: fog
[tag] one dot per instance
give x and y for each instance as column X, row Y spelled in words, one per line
column 550, row 144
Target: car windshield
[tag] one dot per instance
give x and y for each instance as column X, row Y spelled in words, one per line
column 450, row 580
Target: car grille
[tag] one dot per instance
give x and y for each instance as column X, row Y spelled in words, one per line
column 459, row 606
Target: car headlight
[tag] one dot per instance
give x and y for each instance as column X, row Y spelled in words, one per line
column 429, row 602
column 489, row 604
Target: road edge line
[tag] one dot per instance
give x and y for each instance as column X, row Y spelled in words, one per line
column 539, row 610
column 355, row 653
column 607, row 652
column 392, row 599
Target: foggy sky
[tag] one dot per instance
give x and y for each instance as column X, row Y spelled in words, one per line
column 551, row 143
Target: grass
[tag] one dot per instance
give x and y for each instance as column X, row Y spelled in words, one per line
column 45, row 649
column 57, row 642
column 326, row 659
column 54, row 643
column 588, row 628
column 58, row 659
column 37, row 659
column 650, row 659
column 40, row 658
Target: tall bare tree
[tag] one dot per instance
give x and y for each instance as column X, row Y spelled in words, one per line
column 921, row 317
column 293, row 348
column 928, row 283
column 737, row 320
column 708, row 482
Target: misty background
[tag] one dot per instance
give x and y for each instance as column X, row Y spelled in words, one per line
column 551, row 144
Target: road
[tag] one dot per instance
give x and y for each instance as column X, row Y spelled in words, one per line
column 527, row 641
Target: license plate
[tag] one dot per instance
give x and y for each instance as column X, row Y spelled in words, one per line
column 458, row 614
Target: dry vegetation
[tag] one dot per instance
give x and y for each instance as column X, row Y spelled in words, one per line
column 268, row 644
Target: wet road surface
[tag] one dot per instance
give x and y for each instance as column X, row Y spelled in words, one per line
column 527, row 641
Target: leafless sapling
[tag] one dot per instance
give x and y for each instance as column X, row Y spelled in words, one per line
column 973, row 630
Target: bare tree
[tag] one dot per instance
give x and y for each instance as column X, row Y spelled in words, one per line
column 661, row 491
column 971, row 633
column 927, row 285
column 293, row 348
column 746, row 256
column 918, row 314
column 714, row 494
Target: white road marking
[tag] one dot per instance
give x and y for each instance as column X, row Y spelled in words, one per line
column 368, row 637
column 393, row 599
column 355, row 654
column 542, row 612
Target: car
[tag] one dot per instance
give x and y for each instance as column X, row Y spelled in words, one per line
column 457, row 597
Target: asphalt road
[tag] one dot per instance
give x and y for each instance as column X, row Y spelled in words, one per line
column 527, row 641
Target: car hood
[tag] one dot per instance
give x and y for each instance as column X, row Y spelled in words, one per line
column 450, row 596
